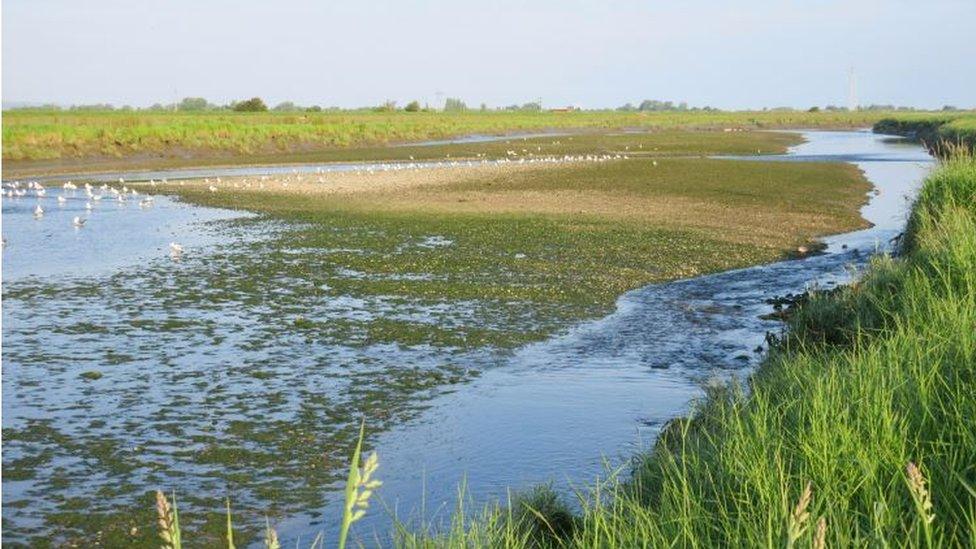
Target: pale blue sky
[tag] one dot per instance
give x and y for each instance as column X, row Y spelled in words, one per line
column 722, row 53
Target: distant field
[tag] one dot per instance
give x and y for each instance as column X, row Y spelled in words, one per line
column 54, row 138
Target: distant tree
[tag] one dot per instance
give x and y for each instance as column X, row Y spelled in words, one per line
column 412, row 106
column 655, row 105
column 389, row 106
column 484, row 107
column 531, row 106
column 93, row 107
column 314, row 108
column 254, row 104
column 286, row 106
column 949, row 108
column 453, row 104
column 814, row 109
column 191, row 104
column 627, row 107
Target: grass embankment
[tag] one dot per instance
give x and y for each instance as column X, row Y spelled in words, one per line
column 568, row 238
column 942, row 133
column 857, row 430
column 39, row 141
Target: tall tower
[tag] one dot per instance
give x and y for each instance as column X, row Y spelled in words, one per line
column 852, row 91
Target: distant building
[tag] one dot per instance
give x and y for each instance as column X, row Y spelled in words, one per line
column 570, row 108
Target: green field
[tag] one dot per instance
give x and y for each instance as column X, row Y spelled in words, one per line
column 56, row 139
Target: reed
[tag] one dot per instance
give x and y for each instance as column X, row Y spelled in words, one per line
column 359, row 489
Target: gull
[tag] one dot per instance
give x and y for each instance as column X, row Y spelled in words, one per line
column 97, row 197
column 213, row 189
column 38, row 212
column 175, row 249
column 78, row 222
column 88, row 206
column 62, row 200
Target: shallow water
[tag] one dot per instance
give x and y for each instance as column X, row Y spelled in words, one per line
column 212, row 383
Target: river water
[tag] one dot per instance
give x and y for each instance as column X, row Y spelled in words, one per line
column 203, row 392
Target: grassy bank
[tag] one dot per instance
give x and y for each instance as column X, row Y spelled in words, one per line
column 941, row 133
column 50, row 140
column 857, row 430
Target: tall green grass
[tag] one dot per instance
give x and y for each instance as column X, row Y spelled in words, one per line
column 858, row 430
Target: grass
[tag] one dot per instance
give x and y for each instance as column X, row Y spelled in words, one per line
column 51, row 139
column 857, row 430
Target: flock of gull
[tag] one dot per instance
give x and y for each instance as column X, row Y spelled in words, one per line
column 93, row 195
column 512, row 158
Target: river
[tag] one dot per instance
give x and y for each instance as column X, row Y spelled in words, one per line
column 185, row 357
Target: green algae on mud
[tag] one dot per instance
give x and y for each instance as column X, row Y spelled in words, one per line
column 654, row 221
column 209, row 406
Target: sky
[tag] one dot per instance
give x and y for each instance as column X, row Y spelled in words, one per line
column 726, row 54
